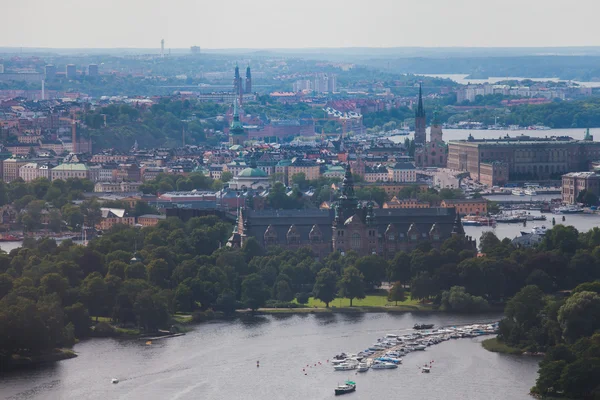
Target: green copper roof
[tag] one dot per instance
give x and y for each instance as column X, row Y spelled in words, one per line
column 236, row 127
column 252, row 173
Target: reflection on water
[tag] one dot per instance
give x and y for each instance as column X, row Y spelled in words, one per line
column 218, row 361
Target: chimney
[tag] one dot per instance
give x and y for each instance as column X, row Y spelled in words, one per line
column 74, row 133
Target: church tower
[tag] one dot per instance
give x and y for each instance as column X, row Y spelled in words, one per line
column 237, row 83
column 248, row 80
column 435, row 133
column 237, row 135
column 420, row 121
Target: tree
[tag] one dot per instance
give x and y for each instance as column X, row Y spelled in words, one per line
column 226, row 302
column 422, row 286
column 299, row 179
column 254, row 292
column 399, row 268
column 373, row 269
column 158, row 273
column 55, row 221
column 587, row 198
column 397, row 293
column 226, row 176
column 458, row 300
column 325, row 288
column 351, row 284
column 283, row 291
column 580, row 315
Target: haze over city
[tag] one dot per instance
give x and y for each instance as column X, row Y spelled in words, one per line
column 310, row 23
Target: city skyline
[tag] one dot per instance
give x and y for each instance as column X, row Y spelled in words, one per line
column 310, row 24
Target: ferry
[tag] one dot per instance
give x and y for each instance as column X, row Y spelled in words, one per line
column 569, row 210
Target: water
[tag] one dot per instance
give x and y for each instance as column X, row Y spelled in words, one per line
column 463, row 80
column 218, row 361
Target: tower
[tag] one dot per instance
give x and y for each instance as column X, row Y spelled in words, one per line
column 74, row 135
column 162, row 48
column 237, row 135
column 248, row 80
column 435, row 133
column 420, row 121
column 237, row 83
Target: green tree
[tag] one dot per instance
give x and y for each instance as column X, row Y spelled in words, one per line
column 351, row 284
column 399, row 268
column 325, row 288
column 397, row 293
column 373, row 269
column 580, row 315
column 254, row 292
column 283, row 291
column 226, row 176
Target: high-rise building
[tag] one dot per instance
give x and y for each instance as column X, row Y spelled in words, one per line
column 332, row 83
column 71, row 71
column 1, row 68
column 301, row 85
column 420, row 121
column 93, row 70
column 325, row 83
column 50, row 72
column 248, row 80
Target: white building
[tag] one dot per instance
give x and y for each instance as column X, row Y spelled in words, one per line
column 403, row 172
column 32, row 171
column 302, row 85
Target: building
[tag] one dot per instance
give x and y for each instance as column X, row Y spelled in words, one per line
column 71, row 71
column 50, row 72
column 195, row 50
column 466, row 206
column 420, row 121
column 238, row 87
column 403, row 172
column 494, row 173
column 93, row 70
column 250, row 178
column 348, row 226
column 112, row 217
column 237, row 134
column 377, row 173
column 576, row 182
column 1, row 68
column 11, row 168
column 150, row 219
column 433, row 153
column 302, row 85
column 325, row 83
column 405, row 203
column 70, row 170
column 527, row 158
column 33, row 170
column 309, row 168
column 248, row 88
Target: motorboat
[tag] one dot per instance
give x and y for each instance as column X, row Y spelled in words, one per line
column 470, row 222
column 426, row 369
column 420, row 347
column 518, row 192
column 536, row 230
column 394, row 360
column 347, row 387
column 383, row 365
column 569, row 210
column 530, row 192
column 363, row 367
column 114, row 380
column 345, row 366
column 423, row 326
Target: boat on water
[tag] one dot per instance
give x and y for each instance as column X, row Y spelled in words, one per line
column 345, row 366
column 114, row 380
column 530, row 192
column 470, row 222
column 363, row 367
column 423, row 326
column 425, row 369
column 518, row 192
column 10, row 238
column 347, row 387
column 383, row 365
column 536, row 230
column 569, row 210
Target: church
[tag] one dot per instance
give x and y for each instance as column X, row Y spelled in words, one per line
column 348, row 226
column 432, row 153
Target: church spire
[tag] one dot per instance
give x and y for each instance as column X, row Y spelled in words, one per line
column 420, row 111
column 348, row 183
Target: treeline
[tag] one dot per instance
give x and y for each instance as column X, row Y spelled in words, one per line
column 162, row 124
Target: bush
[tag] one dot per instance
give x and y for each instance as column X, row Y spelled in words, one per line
column 282, row 304
column 302, row 298
column 104, row 329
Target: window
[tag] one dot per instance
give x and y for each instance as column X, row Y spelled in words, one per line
column 355, row 240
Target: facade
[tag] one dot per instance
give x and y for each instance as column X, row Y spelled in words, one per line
column 50, row 72
column 433, row 153
column 93, row 70
column 467, row 206
column 350, row 225
column 71, row 71
column 248, row 88
column 69, row 170
column 112, row 217
column 150, row 219
column 11, row 168
column 576, row 182
column 309, row 168
column 403, row 172
column 494, row 173
column 378, row 173
column 405, row 203
column 32, row 171
column 527, row 158
column 250, row 178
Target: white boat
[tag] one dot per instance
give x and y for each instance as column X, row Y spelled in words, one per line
column 420, row 347
column 530, row 192
column 426, row 369
column 114, row 380
column 536, row 230
column 363, row 367
column 345, row 366
column 518, row 192
column 569, row 210
column 384, row 365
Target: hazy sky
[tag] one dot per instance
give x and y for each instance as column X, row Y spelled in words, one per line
column 298, row 23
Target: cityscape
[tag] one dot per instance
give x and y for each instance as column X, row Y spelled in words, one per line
column 296, row 212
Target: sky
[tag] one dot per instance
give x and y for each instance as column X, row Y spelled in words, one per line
column 222, row 24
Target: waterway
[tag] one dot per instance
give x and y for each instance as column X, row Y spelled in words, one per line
column 463, row 79
column 218, row 361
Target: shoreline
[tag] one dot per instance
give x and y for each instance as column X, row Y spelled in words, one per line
column 17, row 362
column 496, row 346
column 344, row 310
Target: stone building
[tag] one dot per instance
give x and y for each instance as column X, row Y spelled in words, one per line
column 433, row 153
column 527, row 158
column 576, row 182
column 349, row 225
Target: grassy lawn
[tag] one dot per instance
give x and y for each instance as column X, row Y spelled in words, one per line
column 182, row 318
column 374, row 300
column 497, row 346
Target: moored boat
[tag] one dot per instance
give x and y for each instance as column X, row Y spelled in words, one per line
column 363, row 367
column 384, row 365
column 347, row 387
column 423, row 326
